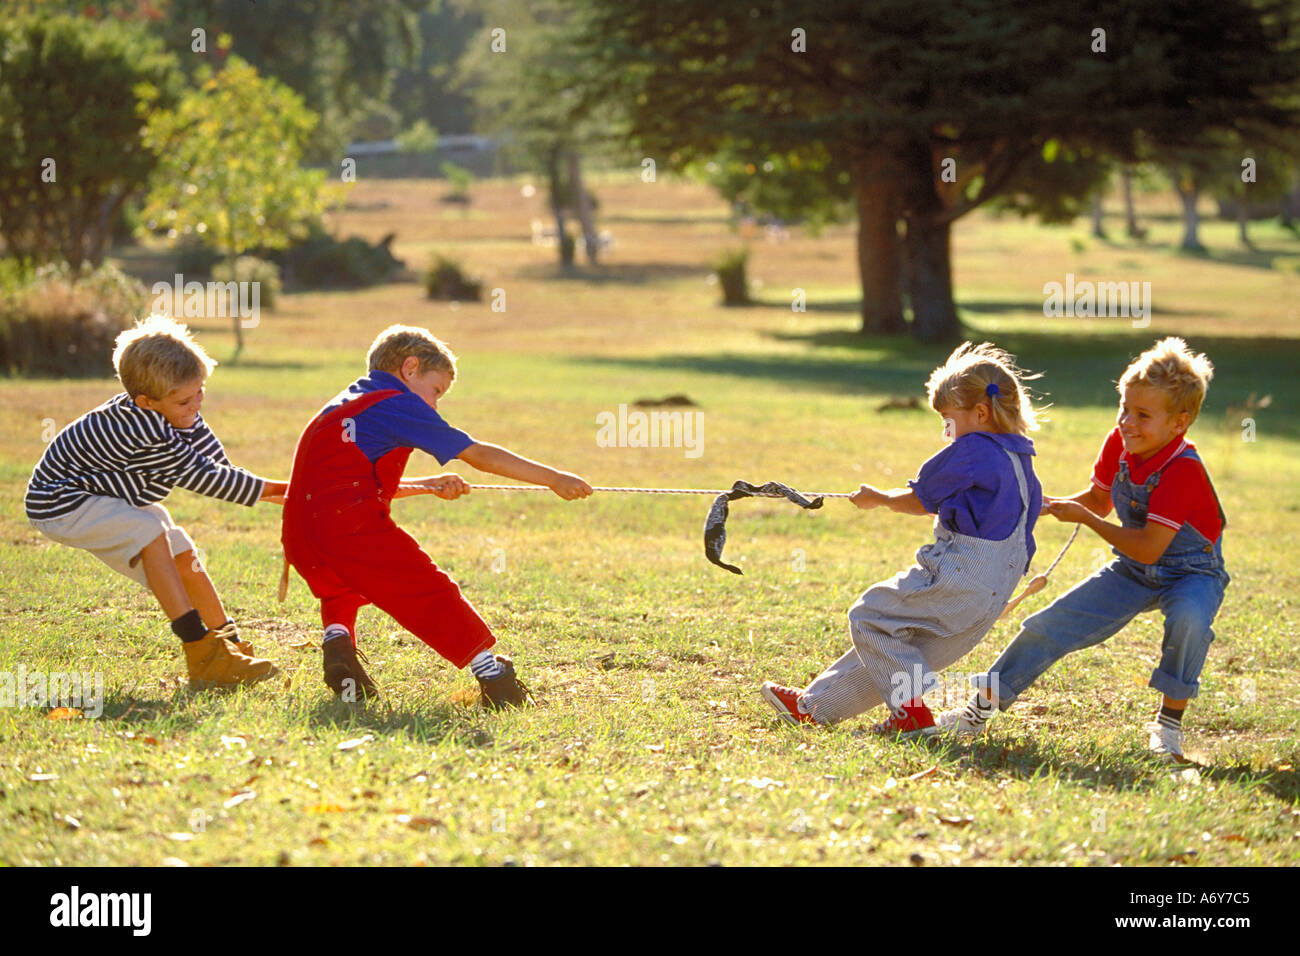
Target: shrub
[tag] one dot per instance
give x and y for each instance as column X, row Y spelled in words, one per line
column 64, row 323
column 252, row 269
column 460, row 180
column 444, row 279
column 730, row 267
column 322, row 262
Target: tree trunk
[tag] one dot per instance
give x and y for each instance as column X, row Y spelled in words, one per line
column 928, row 248
column 563, row 247
column 1290, row 208
column 582, row 207
column 879, row 249
column 1191, row 219
column 1098, row 230
column 236, row 319
column 1130, row 214
column 1243, row 217
column 929, row 255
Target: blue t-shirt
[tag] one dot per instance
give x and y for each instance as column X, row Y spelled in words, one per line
column 400, row 421
column 971, row 485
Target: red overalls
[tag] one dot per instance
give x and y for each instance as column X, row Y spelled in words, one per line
column 338, row 534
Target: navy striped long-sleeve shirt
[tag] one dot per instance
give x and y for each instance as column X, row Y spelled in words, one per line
column 120, row 450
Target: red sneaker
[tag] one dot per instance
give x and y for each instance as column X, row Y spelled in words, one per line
column 912, row 720
column 785, row 701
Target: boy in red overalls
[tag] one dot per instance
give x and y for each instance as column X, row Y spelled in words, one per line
column 338, row 533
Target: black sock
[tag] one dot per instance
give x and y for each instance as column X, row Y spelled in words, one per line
column 1170, row 717
column 189, row 627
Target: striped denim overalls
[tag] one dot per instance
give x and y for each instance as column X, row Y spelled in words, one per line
column 909, row 628
column 1186, row 584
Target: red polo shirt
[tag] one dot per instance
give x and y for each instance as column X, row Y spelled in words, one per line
column 1184, row 494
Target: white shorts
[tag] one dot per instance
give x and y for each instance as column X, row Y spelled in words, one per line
column 115, row 531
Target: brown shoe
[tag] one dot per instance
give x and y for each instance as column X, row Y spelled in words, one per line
column 505, row 690
column 214, row 662
column 230, row 631
column 343, row 672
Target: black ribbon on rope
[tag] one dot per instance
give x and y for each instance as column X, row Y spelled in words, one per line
column 715, row 525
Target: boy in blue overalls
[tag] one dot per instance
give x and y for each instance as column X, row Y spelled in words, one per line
column 1168, row 546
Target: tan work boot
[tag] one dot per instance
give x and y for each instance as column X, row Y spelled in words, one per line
column 230, row 631
column 214, row 662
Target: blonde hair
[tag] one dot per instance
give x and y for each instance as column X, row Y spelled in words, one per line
column 158, row 355
column 396, row 343
column 1170, row 366
column 964, row 379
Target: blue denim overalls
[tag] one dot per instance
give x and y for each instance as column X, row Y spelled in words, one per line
column 1186, row 584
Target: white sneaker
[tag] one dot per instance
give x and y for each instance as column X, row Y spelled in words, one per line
column 965, row 722
column 1165, row 743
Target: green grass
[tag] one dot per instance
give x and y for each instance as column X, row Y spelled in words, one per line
column 651, row 745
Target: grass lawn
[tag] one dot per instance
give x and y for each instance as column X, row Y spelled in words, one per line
column 651, row 745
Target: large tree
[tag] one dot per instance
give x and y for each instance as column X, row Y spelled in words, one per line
column 71, row 151
column 908, row 94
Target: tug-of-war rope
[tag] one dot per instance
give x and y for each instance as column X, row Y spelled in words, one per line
column 715, row 525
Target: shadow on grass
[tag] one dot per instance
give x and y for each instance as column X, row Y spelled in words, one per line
column 427, row 722
column 622, row 273
column 1030, row 308
column 1027, row 758
column 1079, row 368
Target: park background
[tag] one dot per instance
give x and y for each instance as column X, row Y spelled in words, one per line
column 568, row 202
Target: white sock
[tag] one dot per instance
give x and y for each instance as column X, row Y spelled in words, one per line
column 485, row 666
column 335, row 631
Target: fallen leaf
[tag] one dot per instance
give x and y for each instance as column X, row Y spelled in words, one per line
column 173, row 861
column 323, row 808
column 63, row 713
column 1234, row 838
column 318, row 841
column 418, row 823
column 42, row 777
column 180, row 837
column 71, row 822
column 924, row 773
column 232, row 742
column 356, row 742
column 242, row 797
column 957, row 821
column 1038, row 710
column 151, row 741
column 1184, row 857
column 1283, row 767
column 764, row 783
column 655, row 748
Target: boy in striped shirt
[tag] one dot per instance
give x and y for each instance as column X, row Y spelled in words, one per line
column 100, row 481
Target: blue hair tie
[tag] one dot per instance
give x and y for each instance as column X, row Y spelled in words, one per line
column 992, row 389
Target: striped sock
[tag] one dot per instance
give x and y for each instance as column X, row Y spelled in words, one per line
column 335, row 631
column 1171, row 718
column 978, row 710
column 485, row 666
